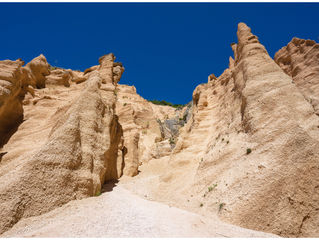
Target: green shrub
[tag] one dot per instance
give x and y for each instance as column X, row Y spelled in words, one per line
column 164, row 103
column 171, row 140
column 51, row 68
column 248, row 150
column 221, row 205
column 211, row 188
column 201, row 205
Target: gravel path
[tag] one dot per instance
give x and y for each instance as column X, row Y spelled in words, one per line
column 119, row 213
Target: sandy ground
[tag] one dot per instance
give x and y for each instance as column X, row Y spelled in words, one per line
column 119, row 213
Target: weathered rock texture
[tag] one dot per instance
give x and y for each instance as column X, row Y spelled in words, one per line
column 279, row 179
column 13, row 87
column 249, row 151
column 64, row 77
column 38, row 69
column 274, row 188
column 246, row 148
column 15, row 82
column 142, row 131
column 300, row 60
column 79, row 153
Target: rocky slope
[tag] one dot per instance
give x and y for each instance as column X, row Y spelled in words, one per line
column 250, row 151
column 65, row 148
column 145, row 133
column 120, row 213
column 300, row 60
column 245, row 150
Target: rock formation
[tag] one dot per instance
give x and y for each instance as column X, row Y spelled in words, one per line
column 78, row 155
column 140, row 120
column 38, row 69
column 245, row 149
column 249, row 152
column 15, row 82
column 262, row 151
column 300, row 60
column 13, row 87
column 64, row 77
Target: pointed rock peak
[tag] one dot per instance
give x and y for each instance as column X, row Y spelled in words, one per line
column 243, row 27
column 107, row 58
column 245, row 36
column 41, row 58
column 212, row 77
column 38, row 68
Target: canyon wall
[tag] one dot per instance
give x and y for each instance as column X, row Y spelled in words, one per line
column 249, row 151
column 65, row 149
column 262, row 153
column 245, row 149
column 300, row 60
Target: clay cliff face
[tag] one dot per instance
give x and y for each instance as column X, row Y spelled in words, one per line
column 300, row 60
column 13, row 85
column 38, row 69
column 62, row 155
column 245, row 149
column 262, row 152
column 144, row 137
column 16, row 82
column 249, row 153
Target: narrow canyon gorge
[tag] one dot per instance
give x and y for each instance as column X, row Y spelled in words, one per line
column 82, row 155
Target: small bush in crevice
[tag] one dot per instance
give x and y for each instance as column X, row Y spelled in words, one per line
column 221, row 205
column 211, row 188
column 164, row 103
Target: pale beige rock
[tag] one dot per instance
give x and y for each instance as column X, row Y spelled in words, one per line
column 90, row 69
column 119, row 213
column 14, row 83
column 59, row 76
column 212, row 77
column 38, row 70
column 65, row 77
column 300, row 60
column 252, row 105
column 118, row 69
column 265, row 113
column 79, row 152
column 77, row 76
column 248, row 152
column 139, row 119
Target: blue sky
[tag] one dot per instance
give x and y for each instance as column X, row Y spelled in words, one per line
column 167, row 48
